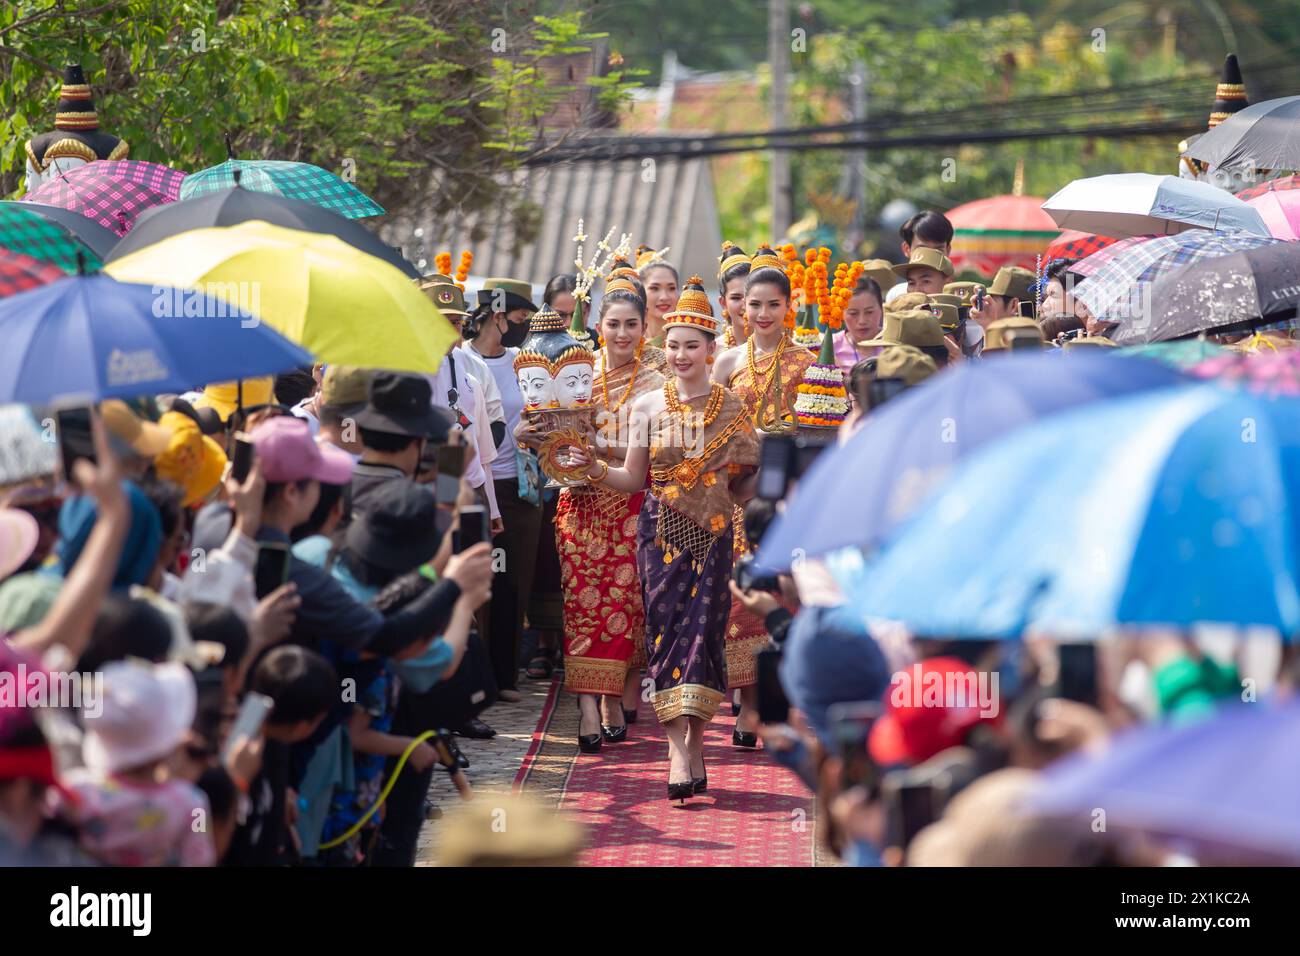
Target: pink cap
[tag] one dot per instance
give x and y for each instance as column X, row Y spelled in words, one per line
column 289, row 453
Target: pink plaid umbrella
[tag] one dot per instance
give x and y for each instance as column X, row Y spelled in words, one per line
column 1280, row 210
column 112, row 193
column 1266, row 371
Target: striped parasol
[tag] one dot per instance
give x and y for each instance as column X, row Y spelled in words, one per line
column 1115, row 291
column 111, row 193
column 1000, row 231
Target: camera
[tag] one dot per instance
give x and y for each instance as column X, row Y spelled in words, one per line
column 784, row 459
column 752, row 577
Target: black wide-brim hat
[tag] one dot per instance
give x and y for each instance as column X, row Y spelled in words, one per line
column 402, row 405
column 398, row 531
column 434, row 424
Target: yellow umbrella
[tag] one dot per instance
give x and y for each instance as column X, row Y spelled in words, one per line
column 343, row 305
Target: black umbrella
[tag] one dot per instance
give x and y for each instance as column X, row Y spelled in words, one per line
column 98, row 239
column 230, row 207
column 1240, row 290
column 1263, row 136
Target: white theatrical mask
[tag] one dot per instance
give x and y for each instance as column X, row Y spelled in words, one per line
column 573, row 384
column 537, row 387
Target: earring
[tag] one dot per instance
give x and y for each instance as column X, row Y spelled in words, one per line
column 708, row 360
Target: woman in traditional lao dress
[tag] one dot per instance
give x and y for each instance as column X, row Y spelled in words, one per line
column 604, row 621
column 694, row 440
column 765, row 372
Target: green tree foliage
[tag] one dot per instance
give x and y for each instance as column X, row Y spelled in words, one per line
column 424, row 100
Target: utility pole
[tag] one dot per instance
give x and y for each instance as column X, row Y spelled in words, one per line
column 857, row 184
column 778, row 55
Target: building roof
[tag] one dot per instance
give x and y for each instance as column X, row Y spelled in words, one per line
column 660, row 202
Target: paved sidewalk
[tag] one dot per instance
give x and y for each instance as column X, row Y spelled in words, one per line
column 493, row 763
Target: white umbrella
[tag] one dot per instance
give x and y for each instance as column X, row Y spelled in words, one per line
column 1136, row 204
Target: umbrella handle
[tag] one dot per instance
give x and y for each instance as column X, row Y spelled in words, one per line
column 230, row 149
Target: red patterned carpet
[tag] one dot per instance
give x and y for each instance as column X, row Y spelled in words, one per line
column 755, row 812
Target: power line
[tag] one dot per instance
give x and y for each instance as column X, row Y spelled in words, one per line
column 1021, row 118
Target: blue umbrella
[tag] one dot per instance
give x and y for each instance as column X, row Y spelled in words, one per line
column 1172, row 508
column 856, row 494
column 1227, row 782
column 87, row 338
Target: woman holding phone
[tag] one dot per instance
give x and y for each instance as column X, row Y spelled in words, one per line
column 694, row 441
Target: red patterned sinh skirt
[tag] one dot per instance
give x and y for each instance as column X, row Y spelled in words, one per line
column 746, row 635
column 604, row 619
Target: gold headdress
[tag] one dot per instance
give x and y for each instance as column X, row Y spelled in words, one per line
column 732, row 255
column 647, row 256
column 693, row 309
column 765, row 258
column 619, row 282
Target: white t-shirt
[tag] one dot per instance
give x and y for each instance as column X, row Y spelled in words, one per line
column 502, row 368
column 491, row 392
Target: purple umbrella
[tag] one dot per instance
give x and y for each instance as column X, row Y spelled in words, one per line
column 1229, row 783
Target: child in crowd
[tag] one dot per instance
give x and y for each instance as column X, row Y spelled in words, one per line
column 128, row 808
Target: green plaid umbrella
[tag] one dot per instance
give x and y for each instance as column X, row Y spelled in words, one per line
column 282, row 178
column 26, row 231
column 1182, row 354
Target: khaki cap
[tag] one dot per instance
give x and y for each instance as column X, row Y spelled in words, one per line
column 907, row 302
column 147, row 439
column 963, row 290
column 1088, row 341
column 925, row 258
column 889, row 333
column 345, row 385
column 918, row 327
column 949, row 313
column 447, row 296
column 882, row 270
column 1013, row 281
column 906, row 362
column 995, row 339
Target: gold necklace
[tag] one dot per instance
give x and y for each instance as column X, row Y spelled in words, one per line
column 604, row 377
column 711, row 408
column 760, row 391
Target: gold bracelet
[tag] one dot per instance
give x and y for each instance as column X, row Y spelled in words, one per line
column 604, row 474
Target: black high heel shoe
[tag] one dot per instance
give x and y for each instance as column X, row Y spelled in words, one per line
column 614, row 735
column 680, row 791
column 629, row 716
column 588, row 743
column 701, row 784
column 742, row 738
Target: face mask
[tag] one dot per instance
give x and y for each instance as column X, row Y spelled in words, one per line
column 515, row 333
